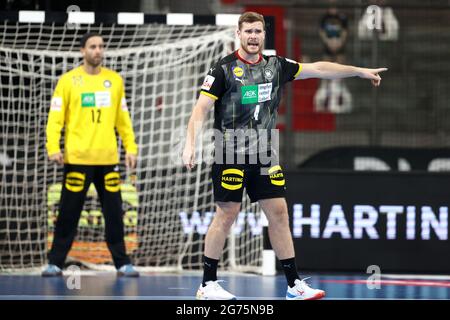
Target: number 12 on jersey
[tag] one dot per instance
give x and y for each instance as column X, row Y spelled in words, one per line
column 99, row 114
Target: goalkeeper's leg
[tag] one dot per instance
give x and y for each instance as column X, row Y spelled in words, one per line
column 107, row 183
column 75, row 185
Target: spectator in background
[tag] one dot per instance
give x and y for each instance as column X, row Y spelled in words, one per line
column 333, row 32
column 333, row 95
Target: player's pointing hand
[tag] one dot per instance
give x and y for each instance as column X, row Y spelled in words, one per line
column 372, row 74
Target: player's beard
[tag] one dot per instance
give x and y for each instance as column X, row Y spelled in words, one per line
column 251, row 52
column 94, row 62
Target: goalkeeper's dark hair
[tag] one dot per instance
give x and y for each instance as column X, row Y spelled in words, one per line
column 86, row 37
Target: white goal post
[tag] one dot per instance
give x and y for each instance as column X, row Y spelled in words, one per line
column 166, row 208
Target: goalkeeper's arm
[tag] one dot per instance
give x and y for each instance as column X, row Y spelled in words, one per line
column 202, row 107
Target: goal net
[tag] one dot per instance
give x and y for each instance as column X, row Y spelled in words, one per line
column 167, row 209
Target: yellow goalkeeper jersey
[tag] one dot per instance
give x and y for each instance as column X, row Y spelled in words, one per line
column 90, row 107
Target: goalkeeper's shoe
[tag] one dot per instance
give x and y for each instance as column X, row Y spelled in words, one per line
column 127, row 271
column 52, row 271
column 213, row 291
column 302, row 291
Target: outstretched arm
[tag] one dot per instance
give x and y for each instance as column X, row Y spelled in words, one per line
column 330, row 70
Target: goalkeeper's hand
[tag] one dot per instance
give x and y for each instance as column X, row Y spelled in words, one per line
column 188, row 157
column 57, row 157
column 130, row 160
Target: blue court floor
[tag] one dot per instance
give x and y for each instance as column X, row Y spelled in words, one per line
column 162, row 286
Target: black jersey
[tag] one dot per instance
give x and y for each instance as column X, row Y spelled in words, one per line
column 247, row 97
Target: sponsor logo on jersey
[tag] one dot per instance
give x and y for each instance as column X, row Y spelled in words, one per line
column 96, row 99
column 264, row 91
column 107, row 84
column 209, row 80
column 87, row 100
column 249, row 94
column 238, row 72
column 103, row 99
column 256, row 93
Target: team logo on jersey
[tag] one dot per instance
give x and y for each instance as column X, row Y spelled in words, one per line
column 256, row 93
column 107, row 84
column 268, row 73
column 209, row 80
column 238, row 71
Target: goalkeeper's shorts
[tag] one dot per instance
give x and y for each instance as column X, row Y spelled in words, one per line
column 260, row 182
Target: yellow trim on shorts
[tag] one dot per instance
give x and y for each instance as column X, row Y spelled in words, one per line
column 230, row 186
column 278, row 182
column 233, row 171
column 274, row 168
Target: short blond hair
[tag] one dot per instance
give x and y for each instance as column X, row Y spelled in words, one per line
column 250, row 17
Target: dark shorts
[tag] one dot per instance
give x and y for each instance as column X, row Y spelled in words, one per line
column 260, row 182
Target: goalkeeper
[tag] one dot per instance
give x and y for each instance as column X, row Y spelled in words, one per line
column 89, row 101
column 245, row 89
